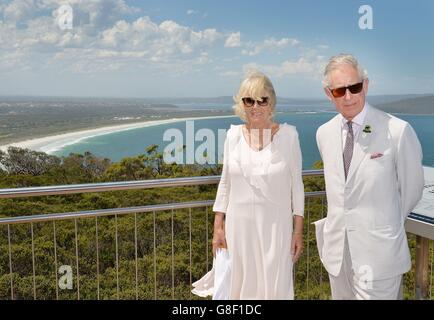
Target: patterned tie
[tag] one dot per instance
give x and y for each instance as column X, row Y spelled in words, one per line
column 348, row 150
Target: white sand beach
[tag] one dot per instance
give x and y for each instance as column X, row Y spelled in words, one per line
column 54, row 143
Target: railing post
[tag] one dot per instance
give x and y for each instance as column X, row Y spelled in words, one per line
column 422, row 266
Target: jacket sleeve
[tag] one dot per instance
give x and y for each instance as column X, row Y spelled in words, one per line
column 409, row 170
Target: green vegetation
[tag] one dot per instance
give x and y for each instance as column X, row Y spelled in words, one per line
column 25, row 168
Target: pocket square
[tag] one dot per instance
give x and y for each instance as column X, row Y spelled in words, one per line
column 376, row 155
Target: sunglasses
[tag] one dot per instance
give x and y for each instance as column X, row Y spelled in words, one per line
column 249, row 102
column 340, row 92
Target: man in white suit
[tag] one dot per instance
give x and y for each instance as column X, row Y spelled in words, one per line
column 374, row 178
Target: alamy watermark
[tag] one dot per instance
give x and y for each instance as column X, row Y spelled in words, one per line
column 205, row 153
column 66, row 278
column 366, row 276
column 183, row 150
column 366, row 20
column 65, row 17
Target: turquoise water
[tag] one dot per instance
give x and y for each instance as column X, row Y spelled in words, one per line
column 133, row 142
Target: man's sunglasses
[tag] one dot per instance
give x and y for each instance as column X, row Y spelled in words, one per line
column 340, row 92
column 249, row 102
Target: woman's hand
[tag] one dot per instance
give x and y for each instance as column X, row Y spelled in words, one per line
column 297, row 238
column 219, row 237
column 296, row 246
column 218, row 240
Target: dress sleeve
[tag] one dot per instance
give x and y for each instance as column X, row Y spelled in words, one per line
column 296, row 175
column 222, row 197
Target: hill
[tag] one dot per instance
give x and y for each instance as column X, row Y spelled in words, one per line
column 416, row 105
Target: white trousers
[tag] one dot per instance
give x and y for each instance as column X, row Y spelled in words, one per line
column 350, row 286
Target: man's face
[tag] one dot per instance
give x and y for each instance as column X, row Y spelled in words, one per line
column 350, row 104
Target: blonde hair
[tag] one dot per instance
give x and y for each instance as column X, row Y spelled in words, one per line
column 253, row 85
column 336, row 61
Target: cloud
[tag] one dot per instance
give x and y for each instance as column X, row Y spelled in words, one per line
column 99, row 38
column 106, row 38
column 164, row 41
column 230, row 73
column 32, row 27
column 191, row 12
column 96, row 14
column 233, row 40
column 18, row 10
column 303, row 66
column 271, row 44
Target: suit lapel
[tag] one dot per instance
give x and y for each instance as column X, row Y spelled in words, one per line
column 361, row 146
column 337, row 147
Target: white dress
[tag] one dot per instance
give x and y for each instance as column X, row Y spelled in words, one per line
column 259, row 192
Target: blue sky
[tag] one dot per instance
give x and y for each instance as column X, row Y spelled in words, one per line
column 203, row 48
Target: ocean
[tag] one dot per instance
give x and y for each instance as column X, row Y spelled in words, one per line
column 118, row 145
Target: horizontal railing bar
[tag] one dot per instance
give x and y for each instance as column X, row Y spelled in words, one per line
column 116, row 186
column 119, row 211
column 104, row 212
column 106, row 186
column 413, row 226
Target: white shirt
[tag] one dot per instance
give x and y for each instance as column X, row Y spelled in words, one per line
column 357, row 124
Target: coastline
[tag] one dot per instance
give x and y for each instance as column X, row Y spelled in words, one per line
column 53, row 143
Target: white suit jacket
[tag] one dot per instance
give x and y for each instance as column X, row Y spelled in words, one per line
column 372, row 204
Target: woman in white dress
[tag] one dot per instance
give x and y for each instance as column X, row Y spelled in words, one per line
column 260, row 199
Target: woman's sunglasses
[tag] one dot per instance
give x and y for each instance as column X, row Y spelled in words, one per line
column 249, row 102
column 340, row 92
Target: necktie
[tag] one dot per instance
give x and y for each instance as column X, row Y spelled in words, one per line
column 348, row 150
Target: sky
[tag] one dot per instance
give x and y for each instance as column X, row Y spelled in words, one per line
column 203, row 48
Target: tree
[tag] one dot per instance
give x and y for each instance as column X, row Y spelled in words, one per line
column 78, row 168
column 25, row 161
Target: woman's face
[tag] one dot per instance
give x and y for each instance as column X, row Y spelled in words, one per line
column 257, row 108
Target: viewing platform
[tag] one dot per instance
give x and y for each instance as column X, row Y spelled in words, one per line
column 153, row 251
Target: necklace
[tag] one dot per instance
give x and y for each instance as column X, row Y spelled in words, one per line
column 257, row 141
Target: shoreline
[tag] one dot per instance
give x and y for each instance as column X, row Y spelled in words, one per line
column 53, row 143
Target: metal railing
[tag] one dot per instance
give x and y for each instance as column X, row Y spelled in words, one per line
column 313, row 276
